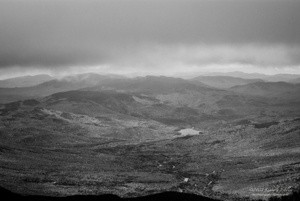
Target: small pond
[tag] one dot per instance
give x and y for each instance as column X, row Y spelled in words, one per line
column 189, row 131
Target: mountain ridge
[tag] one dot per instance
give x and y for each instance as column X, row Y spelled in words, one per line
column 224, row 82
column 25, row 81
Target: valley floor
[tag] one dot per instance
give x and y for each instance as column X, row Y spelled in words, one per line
column 49, row 152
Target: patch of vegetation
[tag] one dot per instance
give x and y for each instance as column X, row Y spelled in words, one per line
column 66, row 115
column 243, row 122
column 31, row 179
column 217, row 142
column 10, row 107
column 186, row 137
column 19, row 115
column 31, row 102
column 170, row 121
column 55, row 120
column 291, row 130
column 4, row 148
column 13, row 106
column 186, row 111
column 297, row 119
column 295, row 196
column 226, row 112
column 266, row 124
column 101, row 118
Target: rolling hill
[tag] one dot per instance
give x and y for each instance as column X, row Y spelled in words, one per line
column 269, row 89
column 151, row 85
column 68, row 83
column 267, row 78
column 163, row 95
column 25, row 81
column 224, row 82
column 297, row 80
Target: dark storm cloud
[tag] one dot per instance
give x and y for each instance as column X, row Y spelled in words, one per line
column 70, row 33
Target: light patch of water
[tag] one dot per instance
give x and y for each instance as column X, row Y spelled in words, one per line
column 189, row 131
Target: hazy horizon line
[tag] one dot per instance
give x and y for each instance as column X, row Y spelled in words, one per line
column 137, row 74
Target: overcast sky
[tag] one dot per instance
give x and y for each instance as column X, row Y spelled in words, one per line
column 149, row 36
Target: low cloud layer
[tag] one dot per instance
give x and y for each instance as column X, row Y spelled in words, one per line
column 148, row 36
column 155, row 55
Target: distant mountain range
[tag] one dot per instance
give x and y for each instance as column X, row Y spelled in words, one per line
column 201, row 90
column 53, row 86
column 268, row 89
column 25, row 81
column 216, row 79
column 224, row 81
column 297, row 80
column 151, row 85
column 238, row 74
column 270, row 78
column 96, row 82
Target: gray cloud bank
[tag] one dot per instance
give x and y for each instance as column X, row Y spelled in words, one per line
column 57, row 35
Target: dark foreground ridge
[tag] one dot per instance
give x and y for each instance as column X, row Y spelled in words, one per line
column 174, row 196
column 295, row 196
